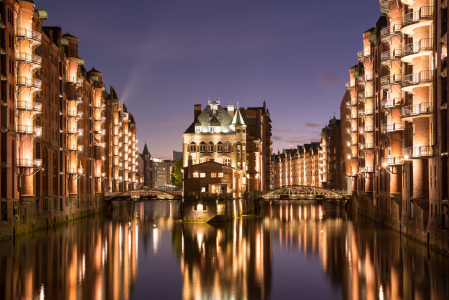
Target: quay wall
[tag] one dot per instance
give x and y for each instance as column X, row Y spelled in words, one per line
column 32, row 214
column 412, row 221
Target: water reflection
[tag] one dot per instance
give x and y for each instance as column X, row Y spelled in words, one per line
column 293, row 249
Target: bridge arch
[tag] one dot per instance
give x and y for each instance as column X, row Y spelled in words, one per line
column 144, row 193
column 301, row 192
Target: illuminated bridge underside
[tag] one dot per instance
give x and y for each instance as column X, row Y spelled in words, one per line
column 144, row 193
column 301, row 192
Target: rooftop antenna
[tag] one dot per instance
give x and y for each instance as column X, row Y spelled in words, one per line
column 237, row 105
column 291, row 143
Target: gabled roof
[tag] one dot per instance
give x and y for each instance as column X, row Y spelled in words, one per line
column 145, row 149
column 207, row 118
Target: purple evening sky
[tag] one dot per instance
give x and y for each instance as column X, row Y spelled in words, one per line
column 164, row 56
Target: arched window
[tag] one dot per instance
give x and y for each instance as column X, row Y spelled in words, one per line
column 211, row 147
column 220, row 147
column 227, row 147
column 192, row 147
column 203, row 147
column 227, row 162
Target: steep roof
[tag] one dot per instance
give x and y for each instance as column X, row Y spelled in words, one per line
column 208, row 117
column 145, row 149
column 238, row 119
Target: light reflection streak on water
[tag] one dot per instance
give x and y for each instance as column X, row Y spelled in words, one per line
column 235, row 261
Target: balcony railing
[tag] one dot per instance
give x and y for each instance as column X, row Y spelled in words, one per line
column 366, row 77
column 365, row 95
column 414, row 48
column 29, row 106
column 386, row 128
column 29, row 82
column 424, row 108
column 424, row 13
column 74, row 130
column 366, row 112
column 392, row 161
column 30, row 35
column 392, row 30
column 29, row 163
column 351, row 174
column 28, row 58
column 75, row 114
column 369, row 128
column 362, row 54
column 396, row 78
column 366, row 170
column 418, row 78
column 349, row 85
column 29, row 129
column 78, row 100
column 390, row 103
column 417, row 152
column 390, row 55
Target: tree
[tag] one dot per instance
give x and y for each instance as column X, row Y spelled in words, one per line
column 176, row 174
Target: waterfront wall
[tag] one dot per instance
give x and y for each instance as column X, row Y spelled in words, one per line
column 411, row 220
column 37, row 214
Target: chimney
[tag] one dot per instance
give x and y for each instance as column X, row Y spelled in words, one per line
column 196, row 110
column 231, row 110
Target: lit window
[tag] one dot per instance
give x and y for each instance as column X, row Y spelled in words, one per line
column 195, row 175
column 192, row 147
column 227, row 147
column 197, row 129
column 219, row 147
column 220, row 175
column 213, row 175
column 211, row 147
column 227, row 162
column 203, row 175
column 203, row 147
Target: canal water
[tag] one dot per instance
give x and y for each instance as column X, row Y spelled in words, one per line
column 290, row 250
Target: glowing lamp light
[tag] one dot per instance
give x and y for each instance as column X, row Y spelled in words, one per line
column 349, row 156
column 103, row 174
column 80, row 171
column 406, row 156
column 384, row 164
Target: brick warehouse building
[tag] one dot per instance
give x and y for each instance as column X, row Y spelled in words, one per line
column 239, row 138
column 395, row 119
column 64, row 140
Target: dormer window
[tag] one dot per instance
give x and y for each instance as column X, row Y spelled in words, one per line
column 214, row 129
column 197, row 129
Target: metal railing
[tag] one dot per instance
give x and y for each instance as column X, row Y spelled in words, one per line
column 391, row 30
column 417, row 152
column 29, row 163
column 366, row 95
column 423, row 13
column 392, row 161
column 389, row 103
column 29, row 82
column 418, row 78
column 28, row 34
column 385, row 128
column 362, row 54
column 396, row 78
column 30, row 106
column 413, row 48
column 390, row 55
column 366, row 170
column 423, row 108
column 28, row 58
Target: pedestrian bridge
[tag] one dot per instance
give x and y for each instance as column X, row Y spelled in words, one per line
column 301, row 192
column 144, row 193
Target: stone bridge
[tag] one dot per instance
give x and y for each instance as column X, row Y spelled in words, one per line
column 144, row 193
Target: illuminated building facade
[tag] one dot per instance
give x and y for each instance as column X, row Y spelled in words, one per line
column 300, row 166
column 396, row 119
column 218, row 135
column 56, row 125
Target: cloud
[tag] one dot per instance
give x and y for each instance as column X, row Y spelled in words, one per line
column 314, row 125
column 331, row 78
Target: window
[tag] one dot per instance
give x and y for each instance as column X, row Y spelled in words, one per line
column 213, row 175
column 202, row 175
column 195, row 175
column 227, row 162
column 192, row 147
column 219, row 147
column 197, row 129
column 203, row 147
column 227, row 147
column 211, row 147
column 220, row 175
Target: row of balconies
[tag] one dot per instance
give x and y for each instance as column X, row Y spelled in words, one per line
column 366, row 112
column 365, row 95
column 409, row 21
column 422, row 77
column 420, row 109
column 29, row 163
